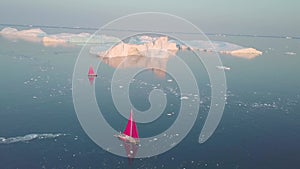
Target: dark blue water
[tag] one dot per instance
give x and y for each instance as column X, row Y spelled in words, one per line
column 259, row 129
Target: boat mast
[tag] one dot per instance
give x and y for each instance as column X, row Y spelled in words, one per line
column 131, row 123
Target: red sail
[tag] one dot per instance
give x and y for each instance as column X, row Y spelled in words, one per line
column 131, row 129
column 128, row 128
column 91, row 71
column 135, row 133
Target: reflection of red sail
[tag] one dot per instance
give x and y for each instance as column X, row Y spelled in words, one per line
column 131, row 150
column 131, row 129
column 91, row 79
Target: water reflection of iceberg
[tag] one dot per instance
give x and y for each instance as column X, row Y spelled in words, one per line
column 28, row 137
column 155, row 64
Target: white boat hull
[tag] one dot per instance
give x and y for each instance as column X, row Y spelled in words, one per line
column 128, row 139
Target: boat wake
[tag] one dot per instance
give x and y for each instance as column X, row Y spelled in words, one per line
column 29, row 137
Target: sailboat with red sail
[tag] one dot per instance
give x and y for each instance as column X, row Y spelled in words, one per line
column 91, row 75
column 91, row 72
column 130, row 134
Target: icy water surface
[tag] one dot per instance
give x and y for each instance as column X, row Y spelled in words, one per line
column 259, row 129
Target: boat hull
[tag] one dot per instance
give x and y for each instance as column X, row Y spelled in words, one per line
column 128, row 139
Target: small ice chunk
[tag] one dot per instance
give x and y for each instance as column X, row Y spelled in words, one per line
column 34, row 97
column 223, row 68
column 170, row 80
column 184, row 98
column 290, row 53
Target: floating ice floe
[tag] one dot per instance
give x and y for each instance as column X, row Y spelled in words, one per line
column 290, row 53
column 184, row 98
column 264, row 105
column 169, row 114
column 223, row 68
column 28, row 138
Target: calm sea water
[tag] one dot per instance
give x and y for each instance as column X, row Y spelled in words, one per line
column 259, row 129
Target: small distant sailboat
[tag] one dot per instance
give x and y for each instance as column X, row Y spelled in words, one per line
column 91, row 72
column 91, row 75
column 130, row 134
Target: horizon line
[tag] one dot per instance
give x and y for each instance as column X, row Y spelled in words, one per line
column 131, row 30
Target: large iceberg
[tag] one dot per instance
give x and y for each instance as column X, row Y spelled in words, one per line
column 152, row 47
column 109, row 46
column 163, row 47
column 61, row 39
column 31, row 35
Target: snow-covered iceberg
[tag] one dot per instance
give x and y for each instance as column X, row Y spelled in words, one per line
column 151, row 47
column 163, row 47
column 109, row 46
column 31, row 35
column 247, row 53
column 61, row 39
column 219, row 47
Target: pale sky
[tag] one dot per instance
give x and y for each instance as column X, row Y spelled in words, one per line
column 262, row 17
